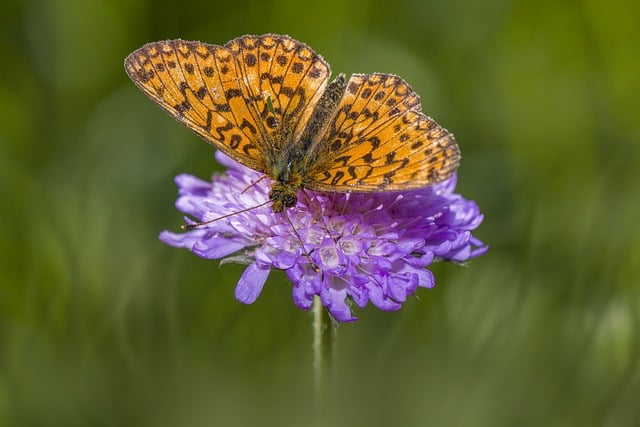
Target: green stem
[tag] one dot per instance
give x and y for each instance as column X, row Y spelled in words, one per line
column 325, row 335
column 318, row 376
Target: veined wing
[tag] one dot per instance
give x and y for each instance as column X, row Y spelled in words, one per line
column 240, row 97
column 379, row 140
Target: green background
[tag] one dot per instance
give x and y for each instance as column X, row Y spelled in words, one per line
column 103, row 325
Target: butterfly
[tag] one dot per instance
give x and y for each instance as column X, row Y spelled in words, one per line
column 266, row 102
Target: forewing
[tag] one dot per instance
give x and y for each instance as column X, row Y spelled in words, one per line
column 379, row 140
column 285, row 73
column 232, row 95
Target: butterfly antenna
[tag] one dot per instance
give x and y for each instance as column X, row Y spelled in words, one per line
column 252, row 184
column 198, row 224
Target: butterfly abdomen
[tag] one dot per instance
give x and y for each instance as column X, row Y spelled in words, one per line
column 323, row 113
column 290, row 168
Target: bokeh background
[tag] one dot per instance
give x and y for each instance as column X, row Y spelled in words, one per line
column 101, row 324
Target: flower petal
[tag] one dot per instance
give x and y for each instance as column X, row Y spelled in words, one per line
column 184, row 240
column 216, row 248
column 335, row 301
column 251, row 284
column 192, row 186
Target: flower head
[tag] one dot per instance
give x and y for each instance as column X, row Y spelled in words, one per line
column 344, row 247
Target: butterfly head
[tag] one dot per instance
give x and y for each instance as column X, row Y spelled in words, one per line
column 283, row 195
column 284, row 188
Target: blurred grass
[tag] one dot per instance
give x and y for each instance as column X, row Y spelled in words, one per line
column 101, row 324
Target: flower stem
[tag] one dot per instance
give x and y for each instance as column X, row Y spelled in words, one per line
column 318, row 380
column 325, row 334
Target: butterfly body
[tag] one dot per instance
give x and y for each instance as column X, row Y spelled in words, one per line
column 299, row 157
column 266, row 102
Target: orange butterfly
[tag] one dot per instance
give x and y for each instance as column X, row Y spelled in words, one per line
column 265, row 101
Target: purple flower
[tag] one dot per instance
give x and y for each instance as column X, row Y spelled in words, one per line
column 348, row 248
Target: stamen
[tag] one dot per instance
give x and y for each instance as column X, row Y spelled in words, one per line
column 314, row 267
column 316, row 208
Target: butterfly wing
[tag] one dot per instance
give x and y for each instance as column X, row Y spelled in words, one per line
column 246, row 97
column 379, row 140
